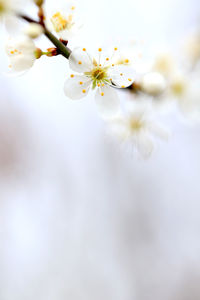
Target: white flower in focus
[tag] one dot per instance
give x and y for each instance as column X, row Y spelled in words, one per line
column 34, row 30
column 64, row 20
column 22, row 53
column 103, row 76
column 153, row 83
column 137, row 128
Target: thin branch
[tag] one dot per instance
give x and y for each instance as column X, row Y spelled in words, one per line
column 62, row 49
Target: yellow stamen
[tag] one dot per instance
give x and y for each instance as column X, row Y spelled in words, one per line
column 59, row 22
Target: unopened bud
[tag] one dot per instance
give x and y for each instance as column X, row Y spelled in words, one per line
column 38, row 53
column 153, row 83
column 34, row 30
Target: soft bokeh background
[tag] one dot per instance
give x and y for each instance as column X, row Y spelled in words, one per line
column 80, row 218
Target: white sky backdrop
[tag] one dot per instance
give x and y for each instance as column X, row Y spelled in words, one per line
column 79, row 218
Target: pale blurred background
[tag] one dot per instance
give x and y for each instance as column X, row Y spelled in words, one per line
column 80, row 218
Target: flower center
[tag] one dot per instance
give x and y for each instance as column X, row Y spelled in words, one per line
column 178, row 88
column 60, row 22
column 98, row 74
column 135, row 124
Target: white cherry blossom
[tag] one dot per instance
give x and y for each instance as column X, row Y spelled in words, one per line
column 137, row 128
column 185, row 89
column 11, row 7
column 9, row 10
column 63, row 19
column 102, row 76
column 22, row 53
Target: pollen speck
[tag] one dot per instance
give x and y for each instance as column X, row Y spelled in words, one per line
column 80, row 82
column 83, row 91
column 102, row 94
column 80, row 62
column 115, row 48
column 100, row 49
column 98, row 84
column 121, row 74
column 103, row 84
column 84, row 49
column 122, row 86
column 107, row 59
column 129, row 79
column 113, row 65
column 72, row 75
column 126, row 61
column 73, row 8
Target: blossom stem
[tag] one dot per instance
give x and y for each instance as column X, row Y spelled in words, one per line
column 62, row 49
column 65, row 51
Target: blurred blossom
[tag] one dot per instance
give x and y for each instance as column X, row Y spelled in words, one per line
column 22, row 53
column 81, row 218
column 63, row 17
column 137, row 127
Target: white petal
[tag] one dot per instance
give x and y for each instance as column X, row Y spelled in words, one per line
column 12, row 24
column 108, row 102
column 22, row 62
column 122, row 76
column 21, row 44
column 159, row 130
column 77, row 87
column 80, row 61
column 144, row 144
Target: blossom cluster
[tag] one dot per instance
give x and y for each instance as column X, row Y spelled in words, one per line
column 152, row 87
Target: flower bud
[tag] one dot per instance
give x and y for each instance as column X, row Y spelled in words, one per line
column 38, row 53
column 153, row 83
column 34, row 30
